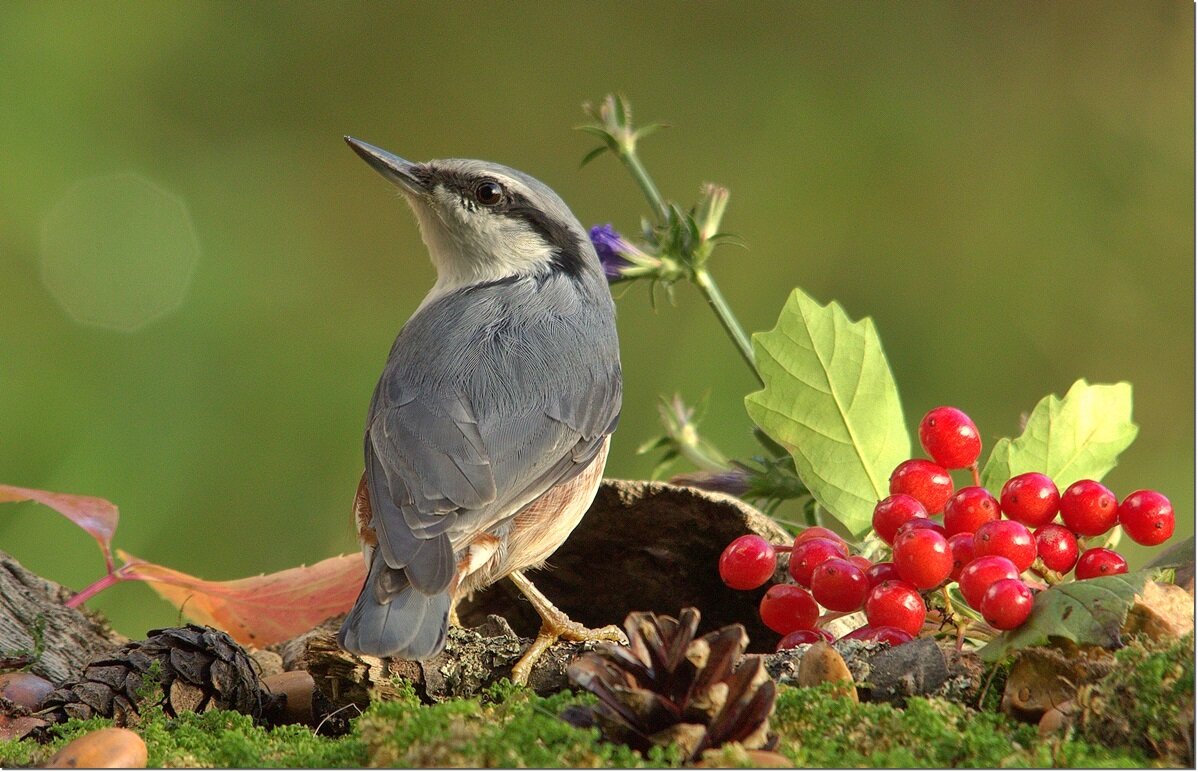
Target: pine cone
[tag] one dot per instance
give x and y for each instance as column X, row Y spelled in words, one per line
column 667, row 686
column 181, row 669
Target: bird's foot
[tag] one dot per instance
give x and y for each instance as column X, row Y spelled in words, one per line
column 551, row 633
column 555, row 625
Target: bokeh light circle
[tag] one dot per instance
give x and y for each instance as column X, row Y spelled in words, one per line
column 118, row 251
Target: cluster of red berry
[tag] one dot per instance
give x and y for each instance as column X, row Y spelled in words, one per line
column 972, row 545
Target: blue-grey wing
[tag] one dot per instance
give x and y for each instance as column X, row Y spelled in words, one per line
column 473, row 422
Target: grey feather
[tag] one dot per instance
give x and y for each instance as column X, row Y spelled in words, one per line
column 408, row 623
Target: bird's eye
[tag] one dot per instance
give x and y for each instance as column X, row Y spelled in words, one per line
column 488, row 193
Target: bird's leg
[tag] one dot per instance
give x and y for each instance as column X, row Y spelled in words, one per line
column 554, row 625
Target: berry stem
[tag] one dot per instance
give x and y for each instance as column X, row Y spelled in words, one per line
column 1049, row 576
column 948, row 602
column 977, row 477
column 829, row 616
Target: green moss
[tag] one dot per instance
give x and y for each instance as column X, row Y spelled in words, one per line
column 1147, row 700
column 994, row 684
column 820, row 729
column 507, row 727
column 214, row 739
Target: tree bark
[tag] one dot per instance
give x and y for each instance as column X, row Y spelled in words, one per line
column 39, row 630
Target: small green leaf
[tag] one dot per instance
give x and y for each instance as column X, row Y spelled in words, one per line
column 1091, row 611
column 650, row 128
column 597, row 131
column 1075, row 438
column 831, row 401
column 591, row 156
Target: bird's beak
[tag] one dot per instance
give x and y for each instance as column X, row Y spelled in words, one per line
column 389, row 165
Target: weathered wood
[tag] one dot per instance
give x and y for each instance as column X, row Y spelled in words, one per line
column 643, row 546
column 37, row 627
column 473, row 660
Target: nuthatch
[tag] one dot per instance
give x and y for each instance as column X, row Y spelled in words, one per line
column 489, row 428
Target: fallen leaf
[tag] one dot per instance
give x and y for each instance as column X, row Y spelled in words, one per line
column 258, row 610
column 1091, row 611
column 94, row 515
column 19, row 727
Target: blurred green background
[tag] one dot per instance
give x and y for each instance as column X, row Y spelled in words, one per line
column 201, row 282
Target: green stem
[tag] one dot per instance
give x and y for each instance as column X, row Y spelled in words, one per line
column 641, row 175
column 702, row 279
column 707, row 286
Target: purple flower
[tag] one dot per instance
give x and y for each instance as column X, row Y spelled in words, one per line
column 611, row 247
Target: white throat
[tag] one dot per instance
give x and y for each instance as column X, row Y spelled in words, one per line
column 475, row 247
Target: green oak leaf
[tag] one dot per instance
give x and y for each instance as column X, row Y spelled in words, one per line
column 1075, row 438
column 831, row 401
column 1091, row 611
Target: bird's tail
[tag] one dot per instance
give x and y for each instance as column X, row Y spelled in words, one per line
column 393, row 619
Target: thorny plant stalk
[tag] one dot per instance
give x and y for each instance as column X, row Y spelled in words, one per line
column 614, row 126
column 677, row 245
column 711, row 291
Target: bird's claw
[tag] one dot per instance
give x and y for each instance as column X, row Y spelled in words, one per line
column 566, row 629
column 576, row 632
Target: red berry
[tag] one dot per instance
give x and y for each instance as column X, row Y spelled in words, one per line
column 1099, row 561
column 896, row 604
column 969, row 509
column 817, row 532
column 1147, row 517
column 1009, row 539
column 838, row 585
column 961, row 545
column 918, row 524
column 927, row 482
column 1006, row 604
column 880, row 572
column 893, row 511
column 786, row 608
column 747, row 563
column 1088, row 508
column 950, row 438
column 923, row 557
column 980, row 573
column 1057, row 547
column 1031, row 498
column 884, row 633
column 799, row 637
column 807, row 555
column 860, row 561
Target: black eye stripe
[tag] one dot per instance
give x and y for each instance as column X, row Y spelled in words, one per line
column 569, row 255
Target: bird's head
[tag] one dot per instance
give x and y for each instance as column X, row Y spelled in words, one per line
column 484, row 221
